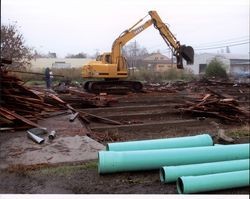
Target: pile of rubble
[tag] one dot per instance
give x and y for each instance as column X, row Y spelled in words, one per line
column 80, row 99
column 21, row 107
column 211, row 105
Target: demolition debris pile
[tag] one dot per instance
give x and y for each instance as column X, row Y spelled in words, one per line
column 21, row 107
column 213, row 106
column 79, row 99
column 219, row 99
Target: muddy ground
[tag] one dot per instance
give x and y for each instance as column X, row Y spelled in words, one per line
column 143, row 116
column 84, row 179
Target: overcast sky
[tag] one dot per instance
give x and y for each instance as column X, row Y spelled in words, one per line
column 73, row 26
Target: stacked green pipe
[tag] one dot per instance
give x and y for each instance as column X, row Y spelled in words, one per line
column 110, row 161
column 212, row 182
column 172, row 173
column 166, row 143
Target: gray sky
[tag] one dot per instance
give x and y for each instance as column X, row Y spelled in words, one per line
column 73, row 26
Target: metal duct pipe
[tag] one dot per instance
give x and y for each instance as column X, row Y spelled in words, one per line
column 35, row 138
column 181, row 142
column 172, row 173
column 52, row 135
column 212, row 182
column 114, row 161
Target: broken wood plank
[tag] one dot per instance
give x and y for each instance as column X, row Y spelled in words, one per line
column 92, row 116
column 23, row 119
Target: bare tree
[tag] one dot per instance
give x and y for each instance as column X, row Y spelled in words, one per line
column 134, row 53
column 13, row 47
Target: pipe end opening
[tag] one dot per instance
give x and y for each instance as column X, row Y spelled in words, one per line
column 99, row 162
column 162, row 175
column 180, row 186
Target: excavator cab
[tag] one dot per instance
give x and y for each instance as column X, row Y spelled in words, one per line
column 186, row 52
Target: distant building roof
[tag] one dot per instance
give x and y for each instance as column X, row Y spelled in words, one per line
column 156, row 56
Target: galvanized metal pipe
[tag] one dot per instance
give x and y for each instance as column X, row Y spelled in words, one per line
column 166, row 143
column 52, row 135
column 172, row 173
column 35, row 138
column 212, row 182
column 114, row 161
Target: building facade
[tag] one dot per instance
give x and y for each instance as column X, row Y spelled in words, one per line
column 233, row 63
column 39, row 63
column 158, row 62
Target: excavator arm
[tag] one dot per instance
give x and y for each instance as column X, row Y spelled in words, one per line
column 180, row 51
column 127, row 35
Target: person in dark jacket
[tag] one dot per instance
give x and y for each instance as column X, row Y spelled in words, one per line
column 48, row 77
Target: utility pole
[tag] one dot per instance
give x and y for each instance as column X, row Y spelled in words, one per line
column 135, row 54
column 172, row 60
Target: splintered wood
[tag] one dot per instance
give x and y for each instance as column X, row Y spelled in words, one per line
column 20, row 106
column 212, row 105
column 80, row 99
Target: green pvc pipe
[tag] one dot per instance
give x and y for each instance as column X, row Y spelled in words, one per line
column 181, row 142
column 212, row 182
column 172, row 173
column 118, row 161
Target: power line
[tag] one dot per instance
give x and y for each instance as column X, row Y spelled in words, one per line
column 214, row 47
column 224, row 43
column 211, row 44
column 238, row 44
column 226, row 40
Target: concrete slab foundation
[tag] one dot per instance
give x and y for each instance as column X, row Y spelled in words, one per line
column 24, row 151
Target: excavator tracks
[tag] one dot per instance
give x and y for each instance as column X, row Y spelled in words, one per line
column 112, row 86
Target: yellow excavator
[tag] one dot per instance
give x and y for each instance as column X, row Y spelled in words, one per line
column 112, row 66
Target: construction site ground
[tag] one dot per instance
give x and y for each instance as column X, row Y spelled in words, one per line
column 68, row 164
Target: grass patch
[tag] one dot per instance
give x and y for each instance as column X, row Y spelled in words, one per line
column 67, row 169
column 48, row 170
column 157, row 77
column 239, row 132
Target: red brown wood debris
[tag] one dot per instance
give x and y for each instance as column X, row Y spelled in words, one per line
column 20, row 107
column 79, row 99
column 212, row 105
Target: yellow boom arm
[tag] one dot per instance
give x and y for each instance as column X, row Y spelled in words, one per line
column 180, row 51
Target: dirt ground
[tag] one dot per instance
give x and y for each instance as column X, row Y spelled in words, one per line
column 143, row 116
column 84, row 179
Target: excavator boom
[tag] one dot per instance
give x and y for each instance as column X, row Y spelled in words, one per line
column 113, row 66
column 180, row 51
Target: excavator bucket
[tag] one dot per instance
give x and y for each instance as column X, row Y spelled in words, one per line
column 187, row 53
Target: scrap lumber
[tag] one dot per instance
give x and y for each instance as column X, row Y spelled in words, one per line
column 83, row 98
column 20, row 106
column 226, row 109
column 6, row 113
column 83, row 115
column 96, row 118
